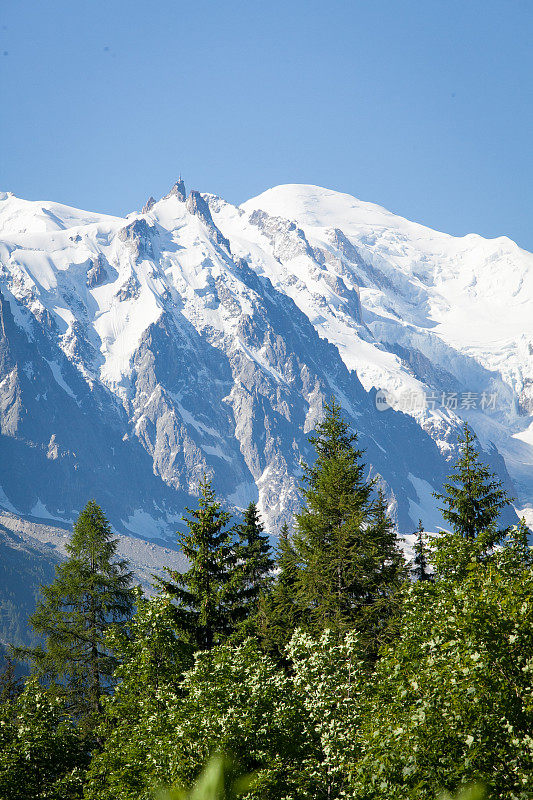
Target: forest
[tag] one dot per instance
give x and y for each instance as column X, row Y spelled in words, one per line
column 329, row 667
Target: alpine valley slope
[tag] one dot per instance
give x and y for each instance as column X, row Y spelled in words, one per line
column 138, row 353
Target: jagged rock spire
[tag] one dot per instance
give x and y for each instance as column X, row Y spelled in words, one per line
column 179, row 190
column 148, row 205
column 196, row 204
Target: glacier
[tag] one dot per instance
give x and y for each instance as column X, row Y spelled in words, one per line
column 138, row 353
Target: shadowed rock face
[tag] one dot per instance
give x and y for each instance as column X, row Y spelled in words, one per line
column 29, row 553
column 198, row 206
column 138, row 234
column 178, row 190
column 138, row 354
column 63, row 440
column 148, row 205
column 97, row 273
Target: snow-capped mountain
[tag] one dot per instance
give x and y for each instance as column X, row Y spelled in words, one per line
column 138, row 353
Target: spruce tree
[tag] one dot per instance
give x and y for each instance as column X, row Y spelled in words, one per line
column 329, row 528
column 346, row 551
column 91, row 591
column 420, row 561
column 472, row 501
column 11, row 684
column 278, row 615
column 204, row 594
column 384, row 571
column 254, row 563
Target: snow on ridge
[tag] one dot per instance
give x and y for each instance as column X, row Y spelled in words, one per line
column 320, row 207
column 407, row 308
column 31, row 217
column 439, row 313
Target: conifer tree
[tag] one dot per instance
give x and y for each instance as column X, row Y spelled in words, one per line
column 421, row 569
column 91, row 591
column 384, row 570
column 254, row 550
column 253, row 566
column 11, row 684
column 204, row 594
column 328, row 533
column 346, row 550
column 473, row 499
column 278, row 615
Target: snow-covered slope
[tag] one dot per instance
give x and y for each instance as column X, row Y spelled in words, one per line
column 443, row 324
column 138, row 353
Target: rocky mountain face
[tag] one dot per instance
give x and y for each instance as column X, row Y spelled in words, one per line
column 29, row 553
column 138, row 353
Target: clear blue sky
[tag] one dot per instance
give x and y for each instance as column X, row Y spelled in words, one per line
column 425, row 107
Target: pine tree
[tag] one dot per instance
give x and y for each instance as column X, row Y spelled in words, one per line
column 91, row 591
column 204, row 594
column 346, row 550
column 384, row 571
column 278, row 615
column 420, row 561
column 254, row 563
column 11, row 684
column 329, row 528
column 473, row 499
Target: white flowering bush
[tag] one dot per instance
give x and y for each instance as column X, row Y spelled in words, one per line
column 41, row 754
column 451, row 702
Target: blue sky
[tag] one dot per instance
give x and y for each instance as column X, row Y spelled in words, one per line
column 425, row 107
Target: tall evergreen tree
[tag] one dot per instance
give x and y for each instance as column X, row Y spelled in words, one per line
column 255, row 549
column 278, row 614
column 204, row 594
column 346, row 551
column 383, row 572
column 254, row 562
column 420, row 561
column 11, row 684
column 472, row 501
column 91, row 591
column 329, row 527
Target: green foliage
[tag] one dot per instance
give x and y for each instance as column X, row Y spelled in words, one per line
column 90, row 592
column 383, row 572
column 330, row 677
column 252, row 568
column 349, row 563
column 41, row 754
column 279, row 613
column 219, row 780
column 451, row 701
column 137, row 726
column 294, row 730
column 420, row 562
column 11, row 684
column 233, row 700
column 238, row 701
column 473, row 499
column 205, row 594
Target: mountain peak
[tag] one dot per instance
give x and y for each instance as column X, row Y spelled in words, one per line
column 178, row 190
column 204, row 337
column 150, row 203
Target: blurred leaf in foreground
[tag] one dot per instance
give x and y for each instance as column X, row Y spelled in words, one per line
column 219, row 780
